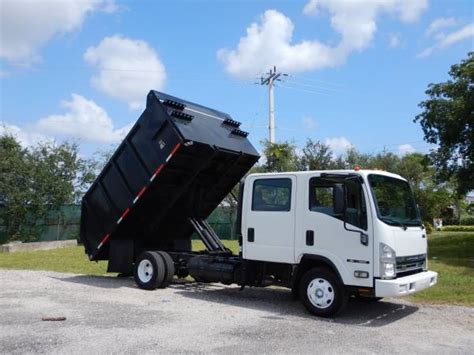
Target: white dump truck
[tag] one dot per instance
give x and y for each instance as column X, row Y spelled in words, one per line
column 326, row 235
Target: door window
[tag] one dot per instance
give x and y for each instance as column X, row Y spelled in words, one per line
column 356, row 211
column 322, row 194
column 271, row 195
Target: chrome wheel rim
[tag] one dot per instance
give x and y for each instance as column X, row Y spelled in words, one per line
column 145, row 270
column 320, row 293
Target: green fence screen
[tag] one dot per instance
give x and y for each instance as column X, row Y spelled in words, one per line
column 64, row 224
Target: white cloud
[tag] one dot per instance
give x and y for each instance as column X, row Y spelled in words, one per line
column 269, row 42
column 405, row 149
column 338, row 144
column 309, row 123
column 127, row 69
column 26, row 137
column 26, row 25
column 446, row 40
column 85, row 120
column 439, row 24
column 394, row 40
column 457, row 36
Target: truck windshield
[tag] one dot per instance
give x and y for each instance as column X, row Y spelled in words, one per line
column 394, row 201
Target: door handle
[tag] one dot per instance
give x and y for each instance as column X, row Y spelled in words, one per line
column 364, row 239
column 309, row 237
column 251, row 235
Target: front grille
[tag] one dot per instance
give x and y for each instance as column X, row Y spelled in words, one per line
column 410, row 264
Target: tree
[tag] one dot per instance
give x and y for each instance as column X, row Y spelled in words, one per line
column 316, row 156
column 279, row 157
column 353, row 158
column 15, row 193
column 415, row 167
column 448, row 121
column 38, row 180
column 385, row 161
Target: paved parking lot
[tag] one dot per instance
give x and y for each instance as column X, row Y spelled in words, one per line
column 110, row 315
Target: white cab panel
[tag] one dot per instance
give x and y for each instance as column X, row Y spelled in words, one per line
column 269, row 214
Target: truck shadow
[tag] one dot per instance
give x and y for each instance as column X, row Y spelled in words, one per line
column 281, row 303
column 278, row 302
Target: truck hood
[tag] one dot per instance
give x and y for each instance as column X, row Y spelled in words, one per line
column 409, row 242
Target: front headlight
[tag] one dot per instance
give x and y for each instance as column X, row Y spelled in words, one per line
column 388, row 263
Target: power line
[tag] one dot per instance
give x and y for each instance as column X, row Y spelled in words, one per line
column 285, row 86
column 311, row 86
column 317, row 81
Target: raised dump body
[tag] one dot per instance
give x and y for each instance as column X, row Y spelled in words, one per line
column 174, row 167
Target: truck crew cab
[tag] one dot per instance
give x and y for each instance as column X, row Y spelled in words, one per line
column 326, row 235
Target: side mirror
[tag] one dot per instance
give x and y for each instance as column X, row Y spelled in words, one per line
column 339, row 203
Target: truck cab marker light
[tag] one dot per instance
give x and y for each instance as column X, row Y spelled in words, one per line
column 239, row 132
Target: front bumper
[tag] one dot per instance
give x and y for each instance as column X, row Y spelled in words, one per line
column 405, row 285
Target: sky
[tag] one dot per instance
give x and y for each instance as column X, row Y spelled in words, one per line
column 357, row 69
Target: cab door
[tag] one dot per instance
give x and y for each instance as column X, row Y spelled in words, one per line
column 343, row 237
column 268, row 219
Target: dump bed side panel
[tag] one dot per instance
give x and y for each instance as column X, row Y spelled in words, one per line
column 179, row 161
column 128, row 171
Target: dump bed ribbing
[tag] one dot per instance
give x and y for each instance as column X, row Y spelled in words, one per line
column 178, row 162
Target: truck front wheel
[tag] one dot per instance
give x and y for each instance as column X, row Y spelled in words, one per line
column 322, row 293
column 149, row 270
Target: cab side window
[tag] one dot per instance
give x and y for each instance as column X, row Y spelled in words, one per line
column 322, row 194
column 322, row 199
column 356, row 210
column 271, row 195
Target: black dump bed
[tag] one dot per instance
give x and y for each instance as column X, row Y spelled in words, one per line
column 178, row 162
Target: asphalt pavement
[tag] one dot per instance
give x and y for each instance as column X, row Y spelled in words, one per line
column 111, row 315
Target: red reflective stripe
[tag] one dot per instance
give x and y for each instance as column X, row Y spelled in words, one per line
column 158, row 169
column 103, row 241
column 105, row 238
column 175, row 148
column 142, row 191
column 125, row 213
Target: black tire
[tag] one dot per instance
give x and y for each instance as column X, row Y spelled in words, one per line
column 169, row 267
column 328, row 296
column 149, row 270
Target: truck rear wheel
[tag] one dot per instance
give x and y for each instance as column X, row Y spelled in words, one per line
column 150, row 270
column 169, row 267
column 322, row 293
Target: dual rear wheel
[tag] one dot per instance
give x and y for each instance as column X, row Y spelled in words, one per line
column 154, row 269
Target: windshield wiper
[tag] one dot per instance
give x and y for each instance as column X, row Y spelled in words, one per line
column 389, row 220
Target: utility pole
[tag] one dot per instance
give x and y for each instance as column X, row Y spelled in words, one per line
column 269, row 80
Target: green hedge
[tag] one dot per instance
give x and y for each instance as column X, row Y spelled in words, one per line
column 467, row 221
column 458, row 229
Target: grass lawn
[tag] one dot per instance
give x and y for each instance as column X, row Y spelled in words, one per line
column 72, row 260
column 451, row 254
